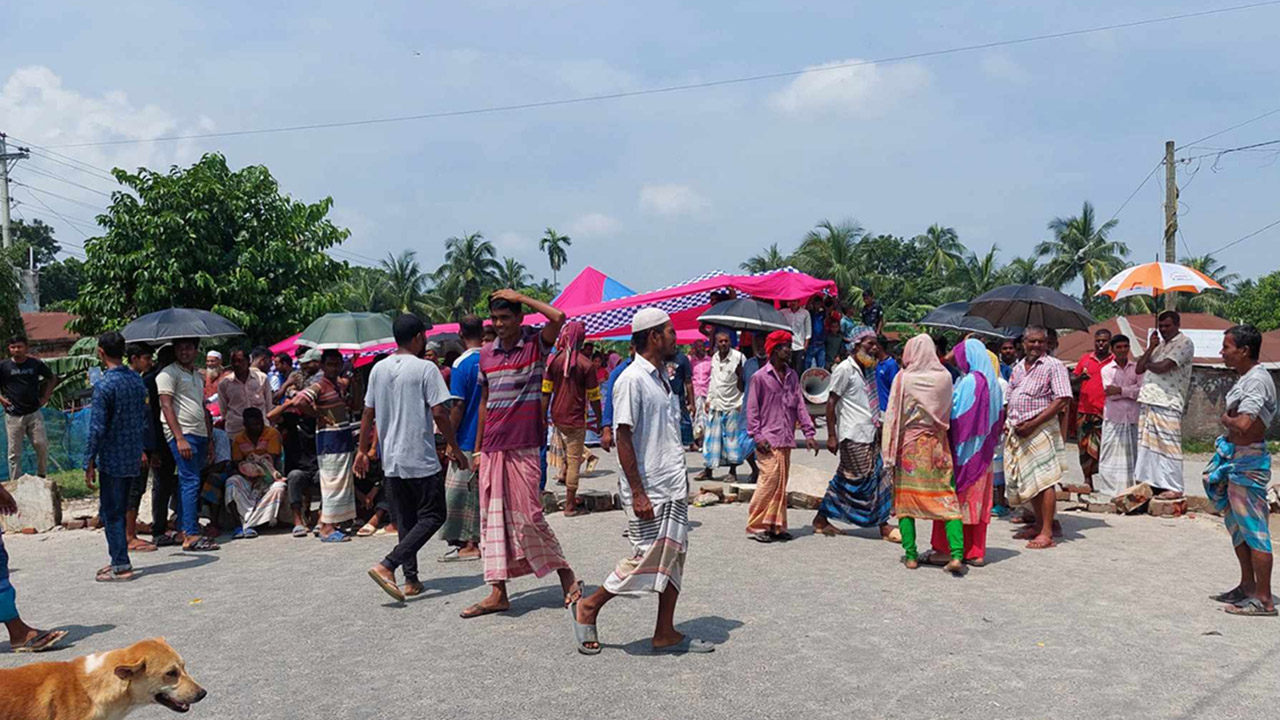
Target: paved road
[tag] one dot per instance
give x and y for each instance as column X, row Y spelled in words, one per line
column 1113, row 623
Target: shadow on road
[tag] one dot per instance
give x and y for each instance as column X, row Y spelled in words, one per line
column 439, row 587
column 1073, row 524
column 712, row 628
column 190, row 561
column 76, row 633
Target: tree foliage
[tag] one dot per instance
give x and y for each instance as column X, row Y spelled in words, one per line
column 554, row 244
column 1081, row 249
column 212, row 238
column 1258, row 302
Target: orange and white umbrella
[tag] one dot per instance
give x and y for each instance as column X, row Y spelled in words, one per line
column 1156, row 278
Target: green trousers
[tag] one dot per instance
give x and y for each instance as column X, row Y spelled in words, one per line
column 955, row 537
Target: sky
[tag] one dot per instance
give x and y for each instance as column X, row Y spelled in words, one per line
column 659, row 188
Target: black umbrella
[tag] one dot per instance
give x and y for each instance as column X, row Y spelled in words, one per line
column 745, row 314
column 955, row 316
column 1024, row 305
column 178, row 323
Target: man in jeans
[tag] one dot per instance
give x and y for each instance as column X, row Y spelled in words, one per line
column 117, row 437
column 405, row 392
column 25, row 386
column 138, row 355
column 187, row 428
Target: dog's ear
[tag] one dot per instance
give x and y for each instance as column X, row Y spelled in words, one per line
column 129, row 672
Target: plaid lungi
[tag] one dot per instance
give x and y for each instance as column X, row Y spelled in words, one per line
column 1119, row 452
column 1032, row 464
column 1236, row 482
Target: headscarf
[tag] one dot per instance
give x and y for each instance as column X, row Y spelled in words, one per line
column 926, row 383
column 569, row 342
column 977, row 414
column 775, row 338
column 614, row 359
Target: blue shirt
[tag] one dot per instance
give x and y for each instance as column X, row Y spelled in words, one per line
column 749, row 368
column 464, row 385
column 819, row 326
column 119, row 423
column 1005, row 371
column 886, row 371
column 679, row 373
column 606, row 402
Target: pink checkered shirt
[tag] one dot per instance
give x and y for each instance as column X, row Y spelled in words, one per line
column 1033, row 390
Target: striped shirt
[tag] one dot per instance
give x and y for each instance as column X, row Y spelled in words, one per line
column 1033, row 389
column 513, row 376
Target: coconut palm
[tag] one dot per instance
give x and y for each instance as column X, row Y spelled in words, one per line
column 406, row 283
column 513, row 274
column 554, row 244
column 1214, row 302
column 1023, row 271
column 942, row 248
column 830, row 251
column 771, row 259
column 974, row 276
column 470, row 266
column 544, row 290
column 1080, row 248
column 366, row 290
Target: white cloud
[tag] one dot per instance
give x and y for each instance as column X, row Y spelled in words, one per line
column 860, row 91
column 671, row 199
column 510, row 243
column 998, row 66
column 593, row 225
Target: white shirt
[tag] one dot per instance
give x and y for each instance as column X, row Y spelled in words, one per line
column 801, row 327
column 723, row 393
column 642, row 400
column 402, row 390
column 853, row 413
column 187, row 390
column 1169, row 390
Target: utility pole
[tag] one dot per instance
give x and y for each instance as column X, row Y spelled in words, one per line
column 5, row 157
column 1170, row 216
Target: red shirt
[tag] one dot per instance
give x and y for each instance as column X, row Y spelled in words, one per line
column 1093, row 397
column 570, row 394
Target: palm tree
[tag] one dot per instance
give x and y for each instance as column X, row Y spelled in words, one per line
column 974, row 276
column 470, row 266
column 544, row 290
column 1081, row 249
column 554, row 244
column 942, row 248
column 1023, row 271
column 406, row 283
column 513, row 274
column 771, row 259
column 366, row 290
column 1214, row 302
column 830, row 251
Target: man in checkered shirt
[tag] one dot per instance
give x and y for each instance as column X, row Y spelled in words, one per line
column 1039, row 390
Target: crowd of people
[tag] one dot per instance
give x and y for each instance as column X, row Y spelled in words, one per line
column 427, row 440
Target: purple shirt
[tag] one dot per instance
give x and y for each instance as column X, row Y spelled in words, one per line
column 513, row 418
column 1122, row 408
column 774, row 406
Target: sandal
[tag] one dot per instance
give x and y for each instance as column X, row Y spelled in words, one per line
column 300, row 531
column 388, row 586
column 166, row 540
column 761, row 537
column 244, row 533
column 106, row 574
column 583, row 634
column 202, row 544
column 366, row 531
column 1251, row 607
column 1231, row 597
column 936, row 559
column 571, row 598
column 454, row 554
column 686, row 646
column 44, row 640
column 336, row 536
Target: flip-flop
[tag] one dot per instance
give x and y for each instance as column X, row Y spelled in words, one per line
column 300, row 531
column 1231, row 597
column 1251, row 607
column 479, row 610
column 202, row 544
column 44, row 640
column 454, row 555
column 336, row 536
column 244, row 534
column 165, row 541
column 106, row 574
column 686, row 646
column 761, row 537
column 387, row 586
column 936, row 559
column 367, row 530
column 583, row 634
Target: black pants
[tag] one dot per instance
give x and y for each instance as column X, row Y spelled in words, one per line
column 418, row 508
column 164, row 488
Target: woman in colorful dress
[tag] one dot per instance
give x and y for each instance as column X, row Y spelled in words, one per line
column 914, row 448
column 977, row 417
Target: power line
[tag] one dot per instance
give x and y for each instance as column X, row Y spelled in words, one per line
column 86, row 166
column 90, row 170
column 1227, row 151
column 1259, row 231
column 1267, row 114
column 683, row 87
column 59, row 178
column 55, row 212
column 356, row 255
column 1142, row 184
column 53, row 194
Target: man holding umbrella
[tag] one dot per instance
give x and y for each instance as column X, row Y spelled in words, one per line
column 187, row 427
column 1167, row 377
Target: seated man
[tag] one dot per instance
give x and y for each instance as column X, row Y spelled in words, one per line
column 213, row 481
column 255, row 487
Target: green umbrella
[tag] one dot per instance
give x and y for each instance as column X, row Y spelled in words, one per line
column 348, row 331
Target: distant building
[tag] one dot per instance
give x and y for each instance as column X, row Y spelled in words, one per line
column 1210, row 379
column 47, row 333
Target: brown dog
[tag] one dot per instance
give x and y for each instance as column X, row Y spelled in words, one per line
column 102, row 686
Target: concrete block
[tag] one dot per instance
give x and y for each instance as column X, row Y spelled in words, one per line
column 39, row 505
column 1105, row 508
column 1167, row 508
column 743, row 491
column 1196, row 504
column 1134, row 499
column 1078, row 489
column 803, row 501
column 75, row 524
column 716, row 489
column 596, row 500
column 29, row 531
column 95, row 522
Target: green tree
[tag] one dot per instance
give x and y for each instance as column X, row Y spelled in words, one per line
column 1080, row 248
column 29, row 236
column 10, row 295
column 406, row 283
column 771, row 259
column 942, row 248
column 554, row 244
column 60, row 282
column 1214, row 302
column 1257, row 302
column 830, row 251
column 513, row 274
column 895, row 271
column 367, row 290
column 211, row 238
column 544, row 290
column 1023, row 271
column 470, row 267
column 973, row 276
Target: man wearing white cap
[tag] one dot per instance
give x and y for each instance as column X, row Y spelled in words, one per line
column 655, row 493
column 213, row 372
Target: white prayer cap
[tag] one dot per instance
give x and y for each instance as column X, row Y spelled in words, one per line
column 649, row 318
column 214, row 354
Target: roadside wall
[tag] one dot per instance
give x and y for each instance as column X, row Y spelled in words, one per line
column 1209, row 387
